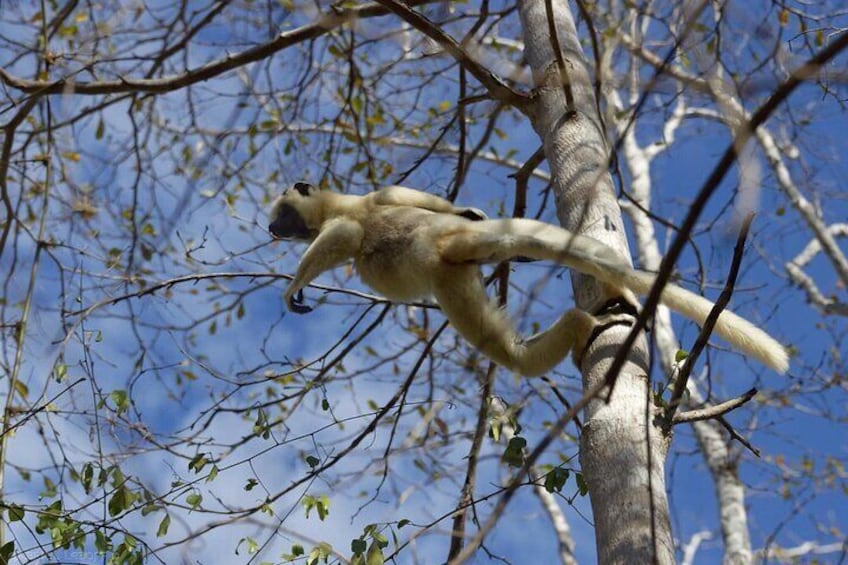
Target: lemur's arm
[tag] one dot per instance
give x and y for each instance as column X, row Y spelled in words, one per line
column 401, row 196
column 338, row 241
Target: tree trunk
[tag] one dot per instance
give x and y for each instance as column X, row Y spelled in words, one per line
column 629, row 503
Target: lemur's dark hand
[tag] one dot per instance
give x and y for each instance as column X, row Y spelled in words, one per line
column 296, row 304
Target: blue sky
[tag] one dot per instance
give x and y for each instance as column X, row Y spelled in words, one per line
column 176, row 375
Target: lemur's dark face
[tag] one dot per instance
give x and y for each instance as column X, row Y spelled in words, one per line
column 288, row 213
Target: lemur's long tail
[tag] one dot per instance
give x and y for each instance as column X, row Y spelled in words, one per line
column 731, row 327
column 601, row 263
column 497, row 240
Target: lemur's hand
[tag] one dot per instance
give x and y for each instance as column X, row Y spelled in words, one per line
column 295, row 303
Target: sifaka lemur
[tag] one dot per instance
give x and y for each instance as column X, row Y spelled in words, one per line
column 407, row 244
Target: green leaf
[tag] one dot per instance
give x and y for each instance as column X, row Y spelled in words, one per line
column 555, row 480
column 7, row 551
column 495, row 431
column 121, row 400
column 16, row 513
column 194, row 499
column 375, row 555
column 358, row 546
column 321, row 504
column 356, row 104
column 514, row 452
column 252, row 545
column 200, row 460
column 21, row 389
column 102, row 542
column 150, row 509
column 119, row 501
column 323, row 507
column 581, row 484
column 49, row 488
column 163, row 526
column 381, row 540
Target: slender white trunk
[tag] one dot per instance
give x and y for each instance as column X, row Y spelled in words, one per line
column 615, row 453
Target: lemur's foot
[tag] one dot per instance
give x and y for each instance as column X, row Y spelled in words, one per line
column 614, row 312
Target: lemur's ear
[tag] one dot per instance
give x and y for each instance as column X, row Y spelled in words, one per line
column 304, row 188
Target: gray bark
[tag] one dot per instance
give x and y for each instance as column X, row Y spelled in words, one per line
column 614, row 454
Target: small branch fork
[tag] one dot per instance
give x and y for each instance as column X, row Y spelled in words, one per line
column 682, row 379
column 681, row 382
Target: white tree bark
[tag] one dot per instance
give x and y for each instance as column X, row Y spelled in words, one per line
column 624, row 471
column 729, row 489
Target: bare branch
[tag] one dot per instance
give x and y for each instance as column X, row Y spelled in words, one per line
column 795, row 268
column 65, row 85
column 494, row 84
column 714, row 411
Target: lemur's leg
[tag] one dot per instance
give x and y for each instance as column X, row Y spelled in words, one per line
column 576, row 328
column 500, row 240
column 460, row 293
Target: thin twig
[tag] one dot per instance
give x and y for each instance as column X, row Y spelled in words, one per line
column 564, row 79
column 466, row 497
column 521, row 178
column 737, row 436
